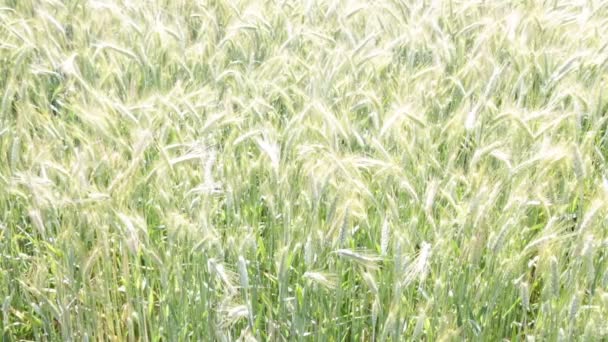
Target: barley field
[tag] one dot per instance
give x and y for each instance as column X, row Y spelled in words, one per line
column 341, row 170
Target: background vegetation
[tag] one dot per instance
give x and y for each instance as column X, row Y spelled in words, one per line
column 303, row 170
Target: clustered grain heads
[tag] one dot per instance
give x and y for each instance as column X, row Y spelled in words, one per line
column 280, row 170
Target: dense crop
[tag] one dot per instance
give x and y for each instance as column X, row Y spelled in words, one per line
column 303, row 170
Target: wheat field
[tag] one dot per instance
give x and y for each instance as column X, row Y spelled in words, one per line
column 341, row 170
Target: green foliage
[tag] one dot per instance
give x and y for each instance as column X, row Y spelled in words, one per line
column 303, row 170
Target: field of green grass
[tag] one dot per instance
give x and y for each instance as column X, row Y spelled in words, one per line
column 341, row 170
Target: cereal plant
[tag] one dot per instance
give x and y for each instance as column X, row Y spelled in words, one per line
column 341, row 170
